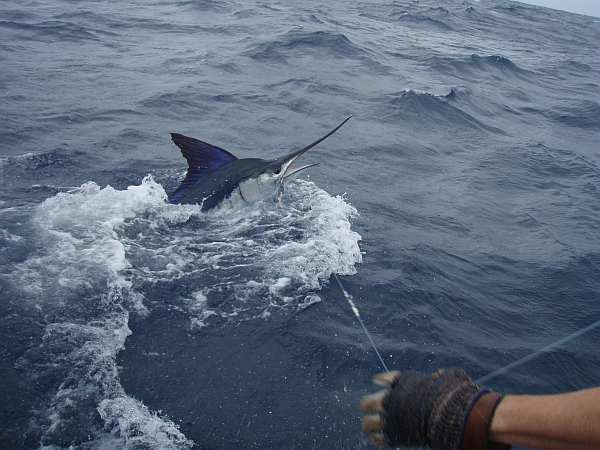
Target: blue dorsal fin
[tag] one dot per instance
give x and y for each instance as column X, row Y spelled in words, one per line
column 202, row 158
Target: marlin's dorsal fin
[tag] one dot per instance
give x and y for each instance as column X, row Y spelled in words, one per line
column 201, row 157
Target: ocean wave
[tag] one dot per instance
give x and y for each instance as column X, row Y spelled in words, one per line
column 430, row 110
column 535, row 167
column 324, row 42
column 57, row 30
column 439, row 10
column 529, row 14
column 114, row 25
column 189, row 100
column 312, row 86
column 583, row 114
column 6, row 47
column 36, row 160
column 579, row 66
column 456, row 92
column 521, row 10
column 570, row 67
column 200, row 5
column 86, row 116
column 421, row 20
column 476, row 65
column 495, row 61
column 228, row 67
column 18, row 15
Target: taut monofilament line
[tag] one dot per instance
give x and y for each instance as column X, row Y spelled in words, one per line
column 531, row 356
column 490, row 375
column 360, row 321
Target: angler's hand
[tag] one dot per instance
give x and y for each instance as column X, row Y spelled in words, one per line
column 423, row 410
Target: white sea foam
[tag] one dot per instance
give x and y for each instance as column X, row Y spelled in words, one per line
column 103, row 251
column 310, row 300
column 257, row 256
column 7, row 160
column 139, row 427
column 77, row 281
column 198, row 309
column 8, row 236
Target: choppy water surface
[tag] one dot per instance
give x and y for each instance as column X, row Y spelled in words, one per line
column 461, row 204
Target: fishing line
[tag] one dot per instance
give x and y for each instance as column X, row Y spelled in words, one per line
column 485, row 378
column 537, row 353
column 360, row 321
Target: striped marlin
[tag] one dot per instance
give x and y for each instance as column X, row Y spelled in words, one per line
column 214, row 174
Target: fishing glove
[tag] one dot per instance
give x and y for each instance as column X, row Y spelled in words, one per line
column 445, row 411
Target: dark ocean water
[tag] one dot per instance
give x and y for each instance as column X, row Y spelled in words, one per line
column 461, row 205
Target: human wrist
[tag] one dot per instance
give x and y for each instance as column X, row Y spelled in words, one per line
column 504, row 427
column 480, row 415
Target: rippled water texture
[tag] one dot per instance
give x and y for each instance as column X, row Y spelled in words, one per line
column 460, row 204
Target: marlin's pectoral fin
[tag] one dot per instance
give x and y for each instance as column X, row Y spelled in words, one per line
column 201, row 157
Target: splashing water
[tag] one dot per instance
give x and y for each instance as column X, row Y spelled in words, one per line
column 107, row 253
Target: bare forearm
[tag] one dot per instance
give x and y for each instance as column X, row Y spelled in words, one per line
column 549, row 422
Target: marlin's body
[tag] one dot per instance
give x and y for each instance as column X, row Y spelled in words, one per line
column 212, row 188
column 214, row 174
